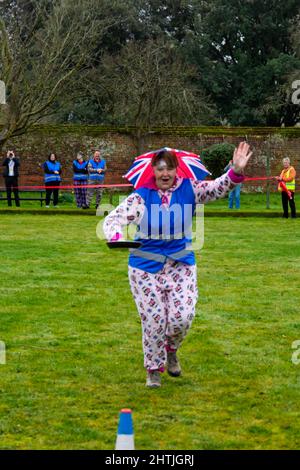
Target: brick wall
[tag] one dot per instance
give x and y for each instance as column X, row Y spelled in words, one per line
column 119, row 148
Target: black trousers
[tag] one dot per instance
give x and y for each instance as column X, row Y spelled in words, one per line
column 11, row 183
column 49, row 192
column 286, row 201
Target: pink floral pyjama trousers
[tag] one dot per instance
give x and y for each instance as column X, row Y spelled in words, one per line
column 166, row 303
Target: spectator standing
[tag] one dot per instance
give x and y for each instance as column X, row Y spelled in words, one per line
column 80, row 179
column 234, row 195
column 96, row 170
column 52, row 169
column 288, row 177
column 11, row 173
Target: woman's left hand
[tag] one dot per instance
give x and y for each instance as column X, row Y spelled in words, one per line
column 240, row 157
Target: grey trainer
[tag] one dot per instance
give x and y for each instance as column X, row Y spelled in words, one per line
column 173, row 366
column 153, row 379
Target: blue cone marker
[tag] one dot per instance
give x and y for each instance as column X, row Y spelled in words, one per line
column 125, row 437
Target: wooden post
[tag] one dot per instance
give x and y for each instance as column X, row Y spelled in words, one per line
column 268, row 172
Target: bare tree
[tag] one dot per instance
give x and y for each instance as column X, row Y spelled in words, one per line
column 149, row 84
column 43, row 47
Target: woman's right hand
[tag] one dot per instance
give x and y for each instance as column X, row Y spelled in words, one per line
column 240, row 157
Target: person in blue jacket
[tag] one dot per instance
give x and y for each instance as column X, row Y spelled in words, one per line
column 96, row 170
column 234, row 195
column 162, row 272
column 80, row 180
column 52, row 178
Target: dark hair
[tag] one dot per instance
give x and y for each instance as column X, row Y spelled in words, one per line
column 52, row 153
column 169, row 157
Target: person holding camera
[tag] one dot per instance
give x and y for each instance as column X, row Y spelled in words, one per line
column 11, row 173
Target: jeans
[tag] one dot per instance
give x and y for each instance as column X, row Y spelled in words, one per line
column 234, row 196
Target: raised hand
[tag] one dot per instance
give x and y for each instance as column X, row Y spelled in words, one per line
column 241, row 156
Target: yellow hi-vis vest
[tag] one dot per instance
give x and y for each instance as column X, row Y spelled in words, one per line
column 291, row 185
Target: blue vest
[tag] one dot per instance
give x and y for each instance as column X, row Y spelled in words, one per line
column 80, row 166
column 97, row 166
column 165, row 232
column 52, row 166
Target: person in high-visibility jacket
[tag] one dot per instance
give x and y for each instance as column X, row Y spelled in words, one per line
column 288, row 177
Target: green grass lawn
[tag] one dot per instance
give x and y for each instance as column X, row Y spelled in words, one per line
column 74, row 352
column 249, row 202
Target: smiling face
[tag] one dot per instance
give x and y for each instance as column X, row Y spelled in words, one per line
column 97, row 156
column 286, row 163
column 164, row 175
